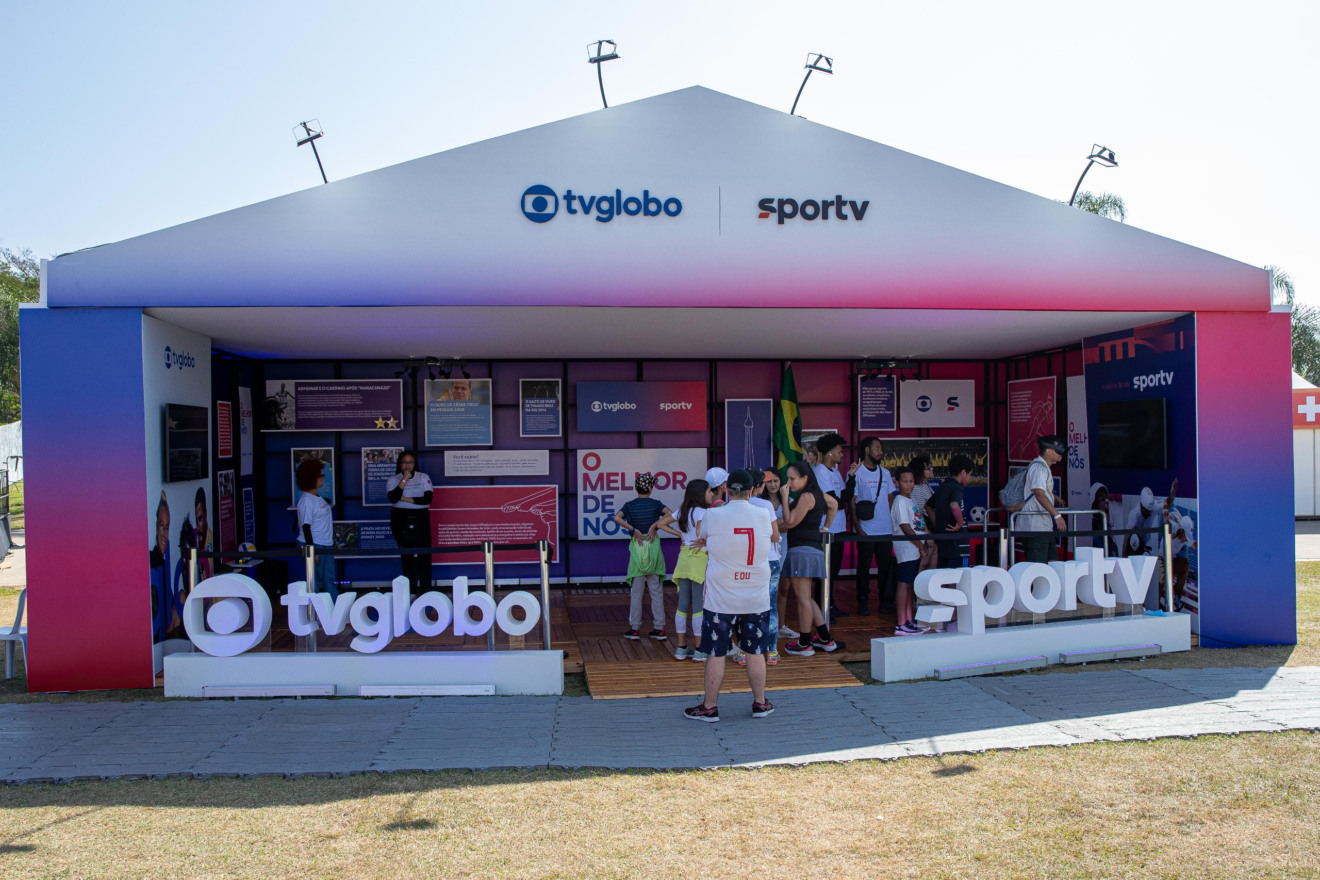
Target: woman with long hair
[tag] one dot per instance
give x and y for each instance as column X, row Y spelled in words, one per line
column 410, row 518
column 806, row 518
column 690, row 570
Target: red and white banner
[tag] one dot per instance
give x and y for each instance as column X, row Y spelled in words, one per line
column 504, row 514
column 1031, row 414
column 1306, row 407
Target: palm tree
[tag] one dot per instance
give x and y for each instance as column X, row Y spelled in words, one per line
column 1104, row 204
column 1305, row 327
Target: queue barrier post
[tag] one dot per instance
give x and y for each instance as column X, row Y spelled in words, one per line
column 545, row 593
column 1168, row 567
column 488, row 549
column 309, row 562
column 825, row 599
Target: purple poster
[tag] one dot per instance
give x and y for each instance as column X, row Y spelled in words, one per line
column 641, row 406
column 332, row 405
column 877, row 403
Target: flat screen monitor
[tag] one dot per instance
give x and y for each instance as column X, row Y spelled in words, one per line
column 187, row 450
column 1133, row 434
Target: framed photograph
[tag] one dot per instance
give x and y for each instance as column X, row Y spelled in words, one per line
column 458, row 412
column 321, row 453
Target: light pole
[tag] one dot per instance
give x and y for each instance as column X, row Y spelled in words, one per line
column 307, row 133
column 598, row 53
column 1102, row 155
column 815, row 61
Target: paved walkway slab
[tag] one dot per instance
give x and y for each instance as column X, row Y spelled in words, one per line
column 323, row 737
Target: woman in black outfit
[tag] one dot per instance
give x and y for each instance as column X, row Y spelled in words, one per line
column 410, row 519
column 805, row 519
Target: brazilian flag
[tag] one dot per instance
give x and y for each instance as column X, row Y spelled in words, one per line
column 788, row 424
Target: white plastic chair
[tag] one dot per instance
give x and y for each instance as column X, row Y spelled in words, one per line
column 16, row 633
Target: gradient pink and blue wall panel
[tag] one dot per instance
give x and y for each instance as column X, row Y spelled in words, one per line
column 1247, row 563
column 89, row 606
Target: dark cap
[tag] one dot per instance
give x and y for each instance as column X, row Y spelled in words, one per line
column 740, row 481
column 1052, row 441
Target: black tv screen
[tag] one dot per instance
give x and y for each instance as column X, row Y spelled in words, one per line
column 1133, row 434
column 187, row 450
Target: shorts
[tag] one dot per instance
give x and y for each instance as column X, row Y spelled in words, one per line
column 804, row 562
column 907, row 571
column 752, row 631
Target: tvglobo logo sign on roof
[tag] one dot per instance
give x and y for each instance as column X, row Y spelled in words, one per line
column 541, row 204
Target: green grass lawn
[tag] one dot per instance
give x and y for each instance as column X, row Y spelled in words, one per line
column 16, row 505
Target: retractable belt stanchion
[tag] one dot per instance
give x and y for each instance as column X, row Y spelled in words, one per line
column 309, row 559
column 1168, row 568
column 488, row 548
column 545, row 593
column 825, row 603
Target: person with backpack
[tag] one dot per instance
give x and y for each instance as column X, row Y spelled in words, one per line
column 1039, row 516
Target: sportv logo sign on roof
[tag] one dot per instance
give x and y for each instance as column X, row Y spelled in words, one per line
column 541, row 204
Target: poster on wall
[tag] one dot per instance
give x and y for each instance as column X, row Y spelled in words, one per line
column 462, row 515
column 540, row 408
column 1079, row 453
column 226, row 510
column 458, row 412
column 899, row 453
column 877, row 403
column 367, row 534
column 324, row 454
column 379, row 463
column 332, row 405
column 497, row 463
column 1031, row 414
column 641, row 406
column 245, row 428
column 938, row 403
column 749, row 433
column 605, row 483
column 224, row 429
column 249, row 516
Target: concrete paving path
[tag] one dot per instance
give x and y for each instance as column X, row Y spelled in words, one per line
column 328, row 737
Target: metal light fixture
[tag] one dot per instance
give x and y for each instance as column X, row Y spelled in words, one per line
column 1099, row 156
column 307, row 133
column 815, row 61
column 598, row 53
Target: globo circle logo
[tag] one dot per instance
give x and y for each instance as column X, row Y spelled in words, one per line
column 180, row 359
column 923, row 403
column 595, row 406
column 215, row 630
column 169, row 357
column 539, row 203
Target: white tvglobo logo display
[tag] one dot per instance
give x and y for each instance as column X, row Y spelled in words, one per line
column 215, row 630
column 985, row 591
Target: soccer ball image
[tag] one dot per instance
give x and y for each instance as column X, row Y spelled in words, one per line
column 978, row 515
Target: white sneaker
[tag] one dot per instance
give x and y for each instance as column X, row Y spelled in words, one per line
column 786, row 633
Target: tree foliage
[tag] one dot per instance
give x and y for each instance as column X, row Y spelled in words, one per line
column 19, row 283
column 1104, row 204
column 1305, row 327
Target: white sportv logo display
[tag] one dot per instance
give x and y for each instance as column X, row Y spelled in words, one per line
column 1153, row 380
column 215, row 631
column 985, row 591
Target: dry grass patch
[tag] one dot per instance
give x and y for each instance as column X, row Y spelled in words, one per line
column 1207, row 808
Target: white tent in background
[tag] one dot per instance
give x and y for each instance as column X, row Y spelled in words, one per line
column 1306, row 465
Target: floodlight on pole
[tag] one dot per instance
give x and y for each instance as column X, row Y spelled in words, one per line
column 815, row 61
column 1099, row 155
column 598, row 53
column 307, row 133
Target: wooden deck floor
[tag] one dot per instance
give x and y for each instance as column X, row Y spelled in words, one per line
column 588, row 624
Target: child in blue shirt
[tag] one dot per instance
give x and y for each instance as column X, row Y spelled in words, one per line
column 646, row 564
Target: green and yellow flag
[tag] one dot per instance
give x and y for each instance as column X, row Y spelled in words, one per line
column 788, row 425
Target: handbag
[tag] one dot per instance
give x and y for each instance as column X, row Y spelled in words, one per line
column 865, row 510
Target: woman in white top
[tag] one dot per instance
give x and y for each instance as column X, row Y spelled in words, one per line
column 316, row 522
column 410, row 519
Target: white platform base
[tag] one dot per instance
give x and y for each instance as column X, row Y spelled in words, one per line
column 510, row 672
column 904, row 658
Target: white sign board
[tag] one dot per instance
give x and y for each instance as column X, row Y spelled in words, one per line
column 942, row 403
column 605, row 483
column 497, row 463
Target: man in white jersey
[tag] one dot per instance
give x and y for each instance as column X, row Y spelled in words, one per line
column 737, row 537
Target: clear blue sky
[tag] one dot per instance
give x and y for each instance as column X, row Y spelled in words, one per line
column 127, row 117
